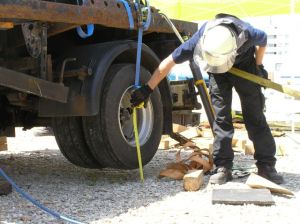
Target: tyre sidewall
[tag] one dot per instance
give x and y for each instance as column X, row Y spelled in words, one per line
column 125, row 153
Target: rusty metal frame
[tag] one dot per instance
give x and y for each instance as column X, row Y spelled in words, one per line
column 106, row 13
column 32, row 85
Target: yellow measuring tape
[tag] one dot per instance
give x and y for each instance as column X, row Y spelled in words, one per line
column 137, row 141
column 265, row 82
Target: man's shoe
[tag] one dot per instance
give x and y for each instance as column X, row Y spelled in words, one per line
column 270, row 173
column 221, row 175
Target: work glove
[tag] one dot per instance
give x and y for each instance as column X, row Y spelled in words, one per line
column 140, row 95
column 261, row 71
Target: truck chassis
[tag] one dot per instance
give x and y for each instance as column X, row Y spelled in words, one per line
column 49, row 76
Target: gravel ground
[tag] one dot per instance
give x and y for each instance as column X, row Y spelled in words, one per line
column 117, row 196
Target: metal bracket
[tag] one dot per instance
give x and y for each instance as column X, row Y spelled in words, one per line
column 32, row 36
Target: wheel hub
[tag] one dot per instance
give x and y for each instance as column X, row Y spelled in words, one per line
column 145, row 119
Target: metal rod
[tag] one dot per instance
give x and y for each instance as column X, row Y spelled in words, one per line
column 205, row 98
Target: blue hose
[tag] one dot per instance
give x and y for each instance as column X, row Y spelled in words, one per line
column 29, row 198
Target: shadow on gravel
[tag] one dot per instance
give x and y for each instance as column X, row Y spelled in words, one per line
column 291, row 181
column 86, row 194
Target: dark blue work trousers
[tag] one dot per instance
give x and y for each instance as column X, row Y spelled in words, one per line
column 252, row 103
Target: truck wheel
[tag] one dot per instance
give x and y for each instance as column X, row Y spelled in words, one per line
column 110, row 134
column 70, row 139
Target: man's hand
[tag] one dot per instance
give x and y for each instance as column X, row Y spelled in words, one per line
column 261, row 71
column 140, row 95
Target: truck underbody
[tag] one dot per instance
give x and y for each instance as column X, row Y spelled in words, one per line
column 49, row 76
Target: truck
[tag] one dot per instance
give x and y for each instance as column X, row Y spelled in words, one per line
column 81, row 87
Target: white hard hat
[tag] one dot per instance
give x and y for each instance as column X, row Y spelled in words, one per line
column 216, row 49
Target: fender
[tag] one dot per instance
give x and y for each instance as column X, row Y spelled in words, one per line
column 84, row 95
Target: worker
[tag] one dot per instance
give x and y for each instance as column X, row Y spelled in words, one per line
column 220, row 44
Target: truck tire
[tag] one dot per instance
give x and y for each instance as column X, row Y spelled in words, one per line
column 110, row 134
column 70, row 139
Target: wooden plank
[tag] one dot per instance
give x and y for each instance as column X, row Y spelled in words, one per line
column 191, row 133
column 206, row 133
column 167, row 143
column 193, row 180
column 249, row 149
column 242, row 196
column 177, row 128
column 256, row 181
column 3, row 143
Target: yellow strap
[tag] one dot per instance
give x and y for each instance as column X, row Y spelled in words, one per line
column 265, row 82
column 137, row 141
column 202, row 83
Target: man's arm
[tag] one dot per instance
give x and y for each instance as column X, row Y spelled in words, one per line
column 142, row 94
column 259, row 54
column 161, row 72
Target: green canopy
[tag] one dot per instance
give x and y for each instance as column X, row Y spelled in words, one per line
column 196, row 10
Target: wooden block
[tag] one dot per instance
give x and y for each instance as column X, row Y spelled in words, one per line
column 234, row 141
column 177, row 128
column 256, row 181
column 280, row 150
column 211, row 148
column 193, row 180
column 3, row 143
column 249, row 149
column 206, row 133
column 277, row 133
column 164, row 144
column 167, row 143
column 202, row 142
column 5, row 188
column 241, row 143
column 242, row 196
column 191, row 133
